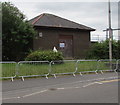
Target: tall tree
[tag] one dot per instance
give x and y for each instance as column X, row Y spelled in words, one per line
column 17, row 34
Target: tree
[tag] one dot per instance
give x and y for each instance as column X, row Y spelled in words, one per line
column 101, row 50
column 17, row 34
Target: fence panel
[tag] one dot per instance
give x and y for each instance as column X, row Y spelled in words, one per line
column 45, row 68
column 107, row 65
column 84, row 66
column 33, row 68
column 118, row 66
column 8, row 70
column 63, row 67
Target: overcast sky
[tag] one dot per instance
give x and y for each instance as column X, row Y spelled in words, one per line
column 93, row 13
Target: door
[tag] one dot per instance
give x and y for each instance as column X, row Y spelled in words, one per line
column 66, row 45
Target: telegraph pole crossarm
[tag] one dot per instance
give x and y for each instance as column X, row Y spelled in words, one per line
column 112, row 29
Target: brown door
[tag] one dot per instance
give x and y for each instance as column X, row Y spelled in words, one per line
column 66, row 45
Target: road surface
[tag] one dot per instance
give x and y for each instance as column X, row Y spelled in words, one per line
column 89, row 88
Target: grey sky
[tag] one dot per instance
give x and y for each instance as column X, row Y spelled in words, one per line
column 93, row 14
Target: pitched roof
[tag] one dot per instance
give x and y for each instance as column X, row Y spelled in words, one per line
column 49, row 20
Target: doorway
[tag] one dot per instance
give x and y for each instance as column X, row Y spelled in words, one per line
column 66, row 45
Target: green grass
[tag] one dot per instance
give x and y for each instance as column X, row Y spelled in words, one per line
column 9, row 70
column 87, row 66
column 33, row 69
column 65, row 67
column 105, row 65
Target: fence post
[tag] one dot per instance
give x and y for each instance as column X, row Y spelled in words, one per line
column 49, row 70
column 77, row 67
column 98, row 66
column 96, row 71
column 117, row 66
column 17, row 69
column 9, row 67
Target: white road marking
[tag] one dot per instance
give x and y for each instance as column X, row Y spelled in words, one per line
column 88, row 84
column 10, row 98
column 92, row 84
column 98, row 82
column 60, row 88
column 77, row 87
column 34, row 93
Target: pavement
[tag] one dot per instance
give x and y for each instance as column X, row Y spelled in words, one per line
column 89, row 88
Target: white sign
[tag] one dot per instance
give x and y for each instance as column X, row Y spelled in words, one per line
column 62, row 45
column 40, row 34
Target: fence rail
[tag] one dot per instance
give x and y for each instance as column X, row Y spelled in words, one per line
column 32, row 69
column 63, row 67
column 84, row 66
column 107, row 65
column 24, row 69
column 8, row 69
column 117, row 66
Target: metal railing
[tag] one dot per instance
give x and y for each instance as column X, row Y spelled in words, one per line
column 105, row 65
column 63, row 67
column 86, row 66
column 33, row 69
column 24, row 69
column 8, row 70
column 117, row 66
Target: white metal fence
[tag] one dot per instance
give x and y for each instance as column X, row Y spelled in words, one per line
column 33, row 69
column 86, row 66
column 24, row 69
column 107, row 65
column 8, row 69
column 117, row 66
column 63, row 67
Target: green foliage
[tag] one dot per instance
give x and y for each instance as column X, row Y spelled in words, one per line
column 17, row 34
column 101, row 50
column 44, row 56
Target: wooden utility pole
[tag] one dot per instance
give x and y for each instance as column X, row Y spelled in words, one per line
column 110, row 35
column 110, row 32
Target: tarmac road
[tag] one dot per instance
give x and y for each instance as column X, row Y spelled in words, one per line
column 89, row 88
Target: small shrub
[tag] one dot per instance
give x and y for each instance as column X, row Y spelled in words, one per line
column 44, row 56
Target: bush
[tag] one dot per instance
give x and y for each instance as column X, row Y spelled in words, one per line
column 44, row 56
column 101, row 50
